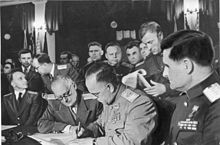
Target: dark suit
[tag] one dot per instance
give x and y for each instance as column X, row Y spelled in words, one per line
column 26, row 113
column 57, row 116
column 65, row 70
column 35, row 82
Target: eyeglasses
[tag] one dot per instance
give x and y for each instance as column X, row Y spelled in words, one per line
column 36, row 68
column 98, row 93
column 66, row 94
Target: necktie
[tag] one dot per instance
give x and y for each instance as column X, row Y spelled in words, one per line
column 50, row 77
column 19, row 98
column 25, row 70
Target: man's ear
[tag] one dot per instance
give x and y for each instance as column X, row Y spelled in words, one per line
column 12, row 84
column 106, row 56
column 19, row 60
column 102, row 52
column 110, row 87
column 74, row 86
column 188, row 64
column 160, row 36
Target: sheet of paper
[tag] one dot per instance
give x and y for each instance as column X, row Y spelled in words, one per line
column 53, row 138
column 4, row 127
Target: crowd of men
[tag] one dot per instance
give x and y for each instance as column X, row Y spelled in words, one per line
column 182, row 106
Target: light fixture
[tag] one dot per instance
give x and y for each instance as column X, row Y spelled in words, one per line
column 39, row 25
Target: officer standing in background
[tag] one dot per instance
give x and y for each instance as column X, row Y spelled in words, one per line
column 50, row 71
column 187, row 56
column 35, row 82
column 113, row 55
column 129, row 116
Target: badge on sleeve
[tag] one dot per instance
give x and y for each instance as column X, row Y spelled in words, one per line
column 129, row 95
column 64, row 66
column 212, row 92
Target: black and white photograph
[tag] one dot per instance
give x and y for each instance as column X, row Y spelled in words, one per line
column 110, row 72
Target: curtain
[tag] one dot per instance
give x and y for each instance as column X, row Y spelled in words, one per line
column 53, row 16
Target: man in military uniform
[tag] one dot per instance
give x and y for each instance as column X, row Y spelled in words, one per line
column 151, row 35
column 129, row 116
column 50, row 71
column 21, row 107
column 113, row 55
column 69, row 109
column 187, row 56
column 95, row 55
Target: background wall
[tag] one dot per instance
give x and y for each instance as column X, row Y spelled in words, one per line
column 85, row 21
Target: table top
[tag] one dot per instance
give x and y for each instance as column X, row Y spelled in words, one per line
column 33, row 137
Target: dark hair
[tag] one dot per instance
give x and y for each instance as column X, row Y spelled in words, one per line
column 43, row 58
column 112, row 44
column 94, row 43
column 12, row 65
column 133, row 43
column 12, row 72
column 195, row 45
column 24, row 51
column 74, row 55
column 69, row 54
column 104, row 73
column 151, row 26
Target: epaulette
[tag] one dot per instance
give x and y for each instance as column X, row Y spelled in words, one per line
column 7, row 94
column 129, row 95
column 32, row 92
column 64, row 66
column 126, row 65
column 88, row 96
column 140, row 63
column 212, row 92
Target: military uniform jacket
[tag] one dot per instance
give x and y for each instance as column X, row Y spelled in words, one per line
column 57, row 116
column 26, row 113
column 59, row 70
column 154, row 67
column 130, row 120
column 35, row 82
column 197, row 115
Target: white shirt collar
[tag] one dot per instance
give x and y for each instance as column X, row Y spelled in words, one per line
column 52, row 70
column 17, row 93
column 28, row 69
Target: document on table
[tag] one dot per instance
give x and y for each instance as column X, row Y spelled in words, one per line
column 4, row 127
column 53, row 138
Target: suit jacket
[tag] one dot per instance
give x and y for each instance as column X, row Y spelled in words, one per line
column 26, row 113
column 59, row 70
column 57, row 116
column 35, row 82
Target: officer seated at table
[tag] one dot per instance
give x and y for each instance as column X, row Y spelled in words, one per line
column 69, row 109
column 21, row 107
column 129, row 116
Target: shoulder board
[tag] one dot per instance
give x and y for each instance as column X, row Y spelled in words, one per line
column 212, row 92
column 32, row 92
column 7, row 94
column 129, row 95
column 64, row 66
column 88, row 96
column 126, row 64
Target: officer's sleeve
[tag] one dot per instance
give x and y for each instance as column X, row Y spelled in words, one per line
column 35, row 110
column 140, row 123
column 72, row 72
column 47, row 123
column 211, row 132
column 96, row 127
